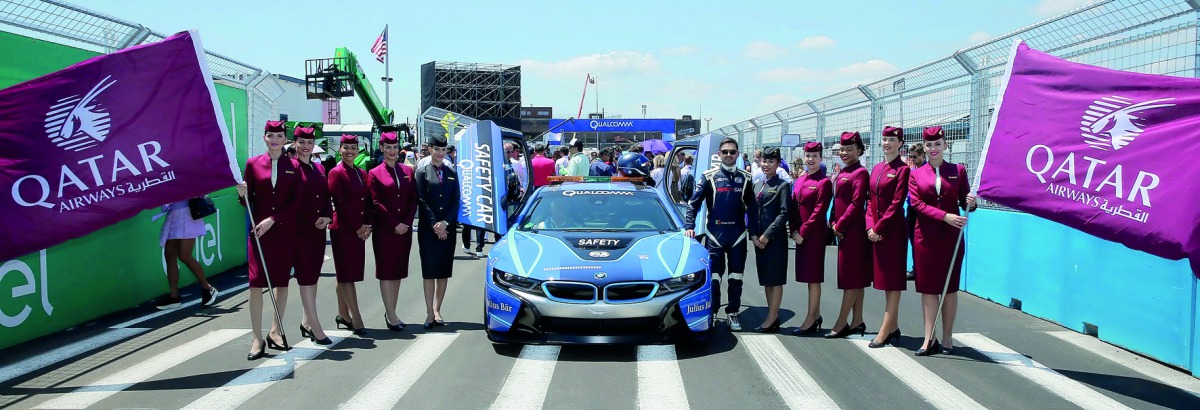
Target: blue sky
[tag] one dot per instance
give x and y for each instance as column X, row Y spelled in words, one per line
column 733, row 60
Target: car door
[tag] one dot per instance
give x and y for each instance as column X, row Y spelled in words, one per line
column 489, row 201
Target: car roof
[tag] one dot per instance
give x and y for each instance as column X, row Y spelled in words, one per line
column 607, row 186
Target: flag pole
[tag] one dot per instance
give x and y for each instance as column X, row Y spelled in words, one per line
column 270, row 287
column 387, row 71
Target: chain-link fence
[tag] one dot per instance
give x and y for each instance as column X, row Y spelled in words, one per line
column 959, row 91
column 77, row 26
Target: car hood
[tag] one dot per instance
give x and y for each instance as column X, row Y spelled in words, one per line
column 583, row 256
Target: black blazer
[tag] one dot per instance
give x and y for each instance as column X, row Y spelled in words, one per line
column 774, row 201
column 437, row 200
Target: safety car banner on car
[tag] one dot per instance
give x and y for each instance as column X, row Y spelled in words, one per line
column 482, row 177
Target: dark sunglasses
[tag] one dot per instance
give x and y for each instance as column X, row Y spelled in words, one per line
column 729, row 151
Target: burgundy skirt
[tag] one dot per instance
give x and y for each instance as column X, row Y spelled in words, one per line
column 391, row 254
column 349, row 255
column 310, row 255
column 890, row 257
column 854, row 260
column 277, row 258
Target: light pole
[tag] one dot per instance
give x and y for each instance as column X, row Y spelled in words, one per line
column 387, row 86
column 643, row 110
column 708, row 125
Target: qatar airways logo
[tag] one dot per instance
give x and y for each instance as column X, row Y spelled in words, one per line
column 1109, row 124
column 1112, row 123
column 77, row 123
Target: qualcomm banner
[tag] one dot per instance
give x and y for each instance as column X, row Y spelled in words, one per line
column 559, row 126
column 481, row 174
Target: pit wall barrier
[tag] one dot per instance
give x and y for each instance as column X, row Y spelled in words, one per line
column 1135, row 300
column 117, row 267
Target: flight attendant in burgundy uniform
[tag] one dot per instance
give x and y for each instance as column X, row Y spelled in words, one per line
column 273, row 187
column 937, row 190
column 438, row 202
column 352, row 217
column 888, row 231
column 394, row 198
column 850, row 227
column 314, row 217
column 810, row 198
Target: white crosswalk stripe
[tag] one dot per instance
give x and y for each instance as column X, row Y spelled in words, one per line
column 798, row 389
column 1054, row 382
column 92, row 393
column 660, row 386
column 244, row 387
column 527, row 383
column 387, row 387
column 925, row 383
column 1139, row 364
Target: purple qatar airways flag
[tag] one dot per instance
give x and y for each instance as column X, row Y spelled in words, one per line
column 1114, row 154
column 97, row 142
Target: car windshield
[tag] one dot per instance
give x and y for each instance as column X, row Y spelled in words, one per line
column 598, row 210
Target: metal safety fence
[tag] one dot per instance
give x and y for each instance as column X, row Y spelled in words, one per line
column 959, row 91
column 77, row 26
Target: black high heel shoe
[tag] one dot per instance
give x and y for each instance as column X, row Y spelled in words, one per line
column 271, row 344
column 816, row 326
column 933, row 349
column 891, row 339
column 947, row 350
column 773, row 328
column 305, row 332
column 261, row 353
column 861, row 329
column 440, row 322
column 396, row 327
column 337, row 320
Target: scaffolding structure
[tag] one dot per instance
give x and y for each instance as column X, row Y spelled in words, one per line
column 489, row 91
column 959, row 91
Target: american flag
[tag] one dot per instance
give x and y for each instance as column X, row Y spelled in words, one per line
column 380, row 47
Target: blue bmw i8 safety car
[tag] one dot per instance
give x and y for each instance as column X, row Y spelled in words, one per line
column 597, row 260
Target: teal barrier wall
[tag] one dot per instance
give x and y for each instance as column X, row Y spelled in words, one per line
column 1138, row 301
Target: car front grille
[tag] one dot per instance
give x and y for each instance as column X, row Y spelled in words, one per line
column 570, row 292
column 629, row 292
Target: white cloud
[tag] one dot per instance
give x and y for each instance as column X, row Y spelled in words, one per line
column 979, row 37
column 1048, row 8
column 686, row 90
column 846, row 75
column 789, row 74
column 777, row 101
column 817, row 42
column 871, row 70
column 681, row 51
column 616, row 62
column 762, row 50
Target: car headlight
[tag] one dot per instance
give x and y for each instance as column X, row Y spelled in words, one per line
column 687, row 281
column 515, row 281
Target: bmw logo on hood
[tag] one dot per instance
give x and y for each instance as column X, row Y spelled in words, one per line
column 598, row 254
column 600, row 275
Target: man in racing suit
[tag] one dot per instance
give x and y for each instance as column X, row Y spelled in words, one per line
column 730, row 198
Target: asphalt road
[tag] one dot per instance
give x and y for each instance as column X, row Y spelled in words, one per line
column 194, row 358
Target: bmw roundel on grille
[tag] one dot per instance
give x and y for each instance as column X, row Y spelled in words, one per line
column 599, row 254
column 600, row 275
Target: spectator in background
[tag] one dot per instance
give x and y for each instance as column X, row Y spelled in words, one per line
column 687, row 163
column 561, row 157
column 517, row 162
column 916, row 158
column 543, row 167
column 577, row 164
column 603, row 167
column 178, row 238
column 659, row 171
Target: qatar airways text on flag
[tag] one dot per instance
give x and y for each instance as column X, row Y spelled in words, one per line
column 1111, row 153
column 102, row 140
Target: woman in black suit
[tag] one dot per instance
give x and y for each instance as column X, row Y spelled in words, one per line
column 771, row 247
column 437, row 206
